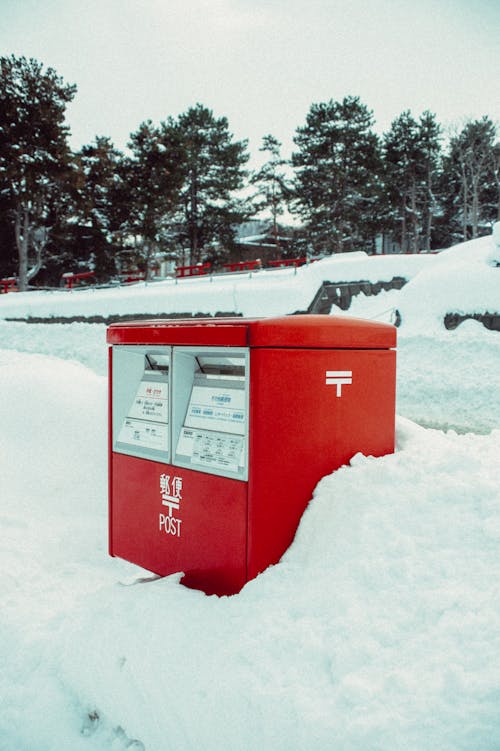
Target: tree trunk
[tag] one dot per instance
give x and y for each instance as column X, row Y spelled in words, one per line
column 38, row 239
column 194, row 238
column 148, row 270
column 496, row 172
column 404, row 231
column 414, row 218
column 429, row 212
column 475, row 208
column 465, row 205
column 22, row 230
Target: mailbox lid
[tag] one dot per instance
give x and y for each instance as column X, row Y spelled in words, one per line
column 200, row 332
column 294, row 331
column 321, row 332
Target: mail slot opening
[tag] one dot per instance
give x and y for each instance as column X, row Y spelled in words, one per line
column 231, row 367
column 157, row 362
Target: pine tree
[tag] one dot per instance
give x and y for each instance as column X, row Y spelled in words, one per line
column 213, row 173
column 430, row 139
column 411, row 156
column 35, row 164
column 147, row 189
column 8, row 251
column 99, row 165
column 272, row 183
column 337, row 183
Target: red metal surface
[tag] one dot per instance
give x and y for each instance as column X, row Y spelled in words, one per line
column 110, row 448
column 209, row 544
column 318, row 331
column 301, row 428
column 304, row 331
column 220, row 332
column 300, row 431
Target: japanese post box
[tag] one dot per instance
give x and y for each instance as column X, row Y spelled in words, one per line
column 221, row 428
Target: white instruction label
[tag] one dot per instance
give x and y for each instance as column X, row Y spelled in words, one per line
column 152, row 435
column 219, row 409
column 210, row 449
column 151, row 402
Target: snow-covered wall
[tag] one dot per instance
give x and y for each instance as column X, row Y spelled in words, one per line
column 267, row 292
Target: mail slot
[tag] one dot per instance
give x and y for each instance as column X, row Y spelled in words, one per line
column 221, row 428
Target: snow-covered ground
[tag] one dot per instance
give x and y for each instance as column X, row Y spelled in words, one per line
column 378, row 630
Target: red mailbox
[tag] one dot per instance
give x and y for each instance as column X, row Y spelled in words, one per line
column 221, row 428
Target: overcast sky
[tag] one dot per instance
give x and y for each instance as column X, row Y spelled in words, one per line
column 261, row 63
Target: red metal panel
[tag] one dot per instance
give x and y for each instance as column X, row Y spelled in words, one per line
column 110, row 448
column 205, row 332
column 304, row 331
column 318, row 331
column 300, row 430
column 203, row 532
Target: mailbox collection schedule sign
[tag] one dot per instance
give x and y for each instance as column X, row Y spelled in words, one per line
column 214, row 428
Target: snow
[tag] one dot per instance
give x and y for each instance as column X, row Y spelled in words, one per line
column 266, row 292
column 377, row 630
column 450, row 285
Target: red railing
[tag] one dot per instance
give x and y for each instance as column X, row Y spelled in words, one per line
column 243, row 265
column 284, row 262
column 199, row 269
column 8, row 284
column 131, row 278
column 70, row 278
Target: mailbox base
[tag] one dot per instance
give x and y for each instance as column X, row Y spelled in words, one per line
column 169, row 519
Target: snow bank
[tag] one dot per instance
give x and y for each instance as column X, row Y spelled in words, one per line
column 53, row 489
column 267, row 292
column 82, row 342
column 463, row 279
column 378, row 630
column 450, row 381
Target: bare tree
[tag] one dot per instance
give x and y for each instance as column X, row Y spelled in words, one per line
column 473, row 164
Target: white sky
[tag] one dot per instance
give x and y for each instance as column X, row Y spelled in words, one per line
column 261, row 63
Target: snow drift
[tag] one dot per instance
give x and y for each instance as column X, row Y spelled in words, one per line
column 376, row 630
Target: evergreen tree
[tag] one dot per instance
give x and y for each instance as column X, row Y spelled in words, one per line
column 411, row 152
column 99, row 165
column 147, row 189
column 8, row 252
column 272, row 183
column 430, row 169
column 35, row 165
column 213, row 172
column 337, row 183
